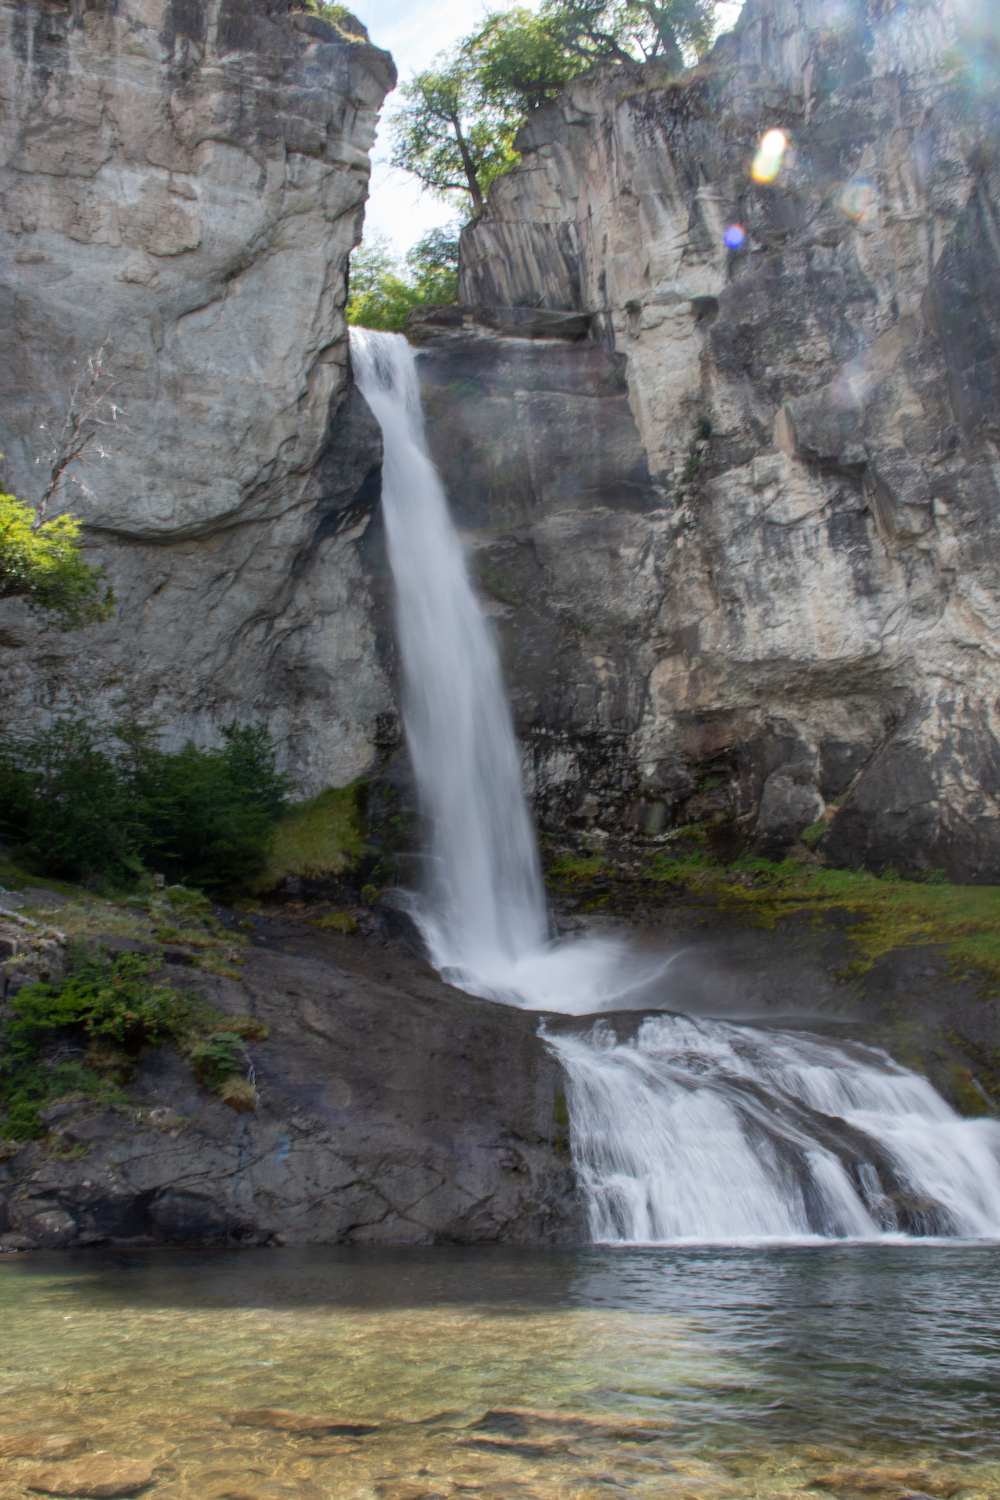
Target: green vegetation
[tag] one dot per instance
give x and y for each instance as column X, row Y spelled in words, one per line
column 79, row 1037
column 456, row 130
column 339, row 16
column 40, row 562
column 98, row 800
column 337, row 921
column 316, row 840
column 887, row 911
column 494, row 583
column 383, row 293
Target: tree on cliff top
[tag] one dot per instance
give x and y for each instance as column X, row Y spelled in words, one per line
column 450, row 136
column 456, row 129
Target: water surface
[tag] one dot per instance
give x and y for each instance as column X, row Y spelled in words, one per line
column 499, row 1372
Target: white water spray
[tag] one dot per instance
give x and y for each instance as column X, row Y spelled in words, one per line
column 697, row 1129
column 702, row 1130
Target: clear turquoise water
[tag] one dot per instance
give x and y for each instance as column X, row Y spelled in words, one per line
column 719, row 1373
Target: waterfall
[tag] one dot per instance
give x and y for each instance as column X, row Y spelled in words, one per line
column 696, row 1129
column 482, row 913
column 702, row 1130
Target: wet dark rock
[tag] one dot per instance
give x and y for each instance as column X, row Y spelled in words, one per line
column 277, row 1419
column 392, row 1109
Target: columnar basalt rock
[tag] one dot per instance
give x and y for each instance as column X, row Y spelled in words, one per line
column 812, row 598
column 182, row 184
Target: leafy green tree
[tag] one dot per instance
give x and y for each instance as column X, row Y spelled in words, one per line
column 456, row 130
column 41, row 563
column 63, row 801
column 433, row 264
column 519, row 60
column 383, row 293
column 450, row 136
column 91, row 799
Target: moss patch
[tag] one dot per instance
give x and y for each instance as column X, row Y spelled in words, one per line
column 316, row 840
column 890, row 913
column 886, row 913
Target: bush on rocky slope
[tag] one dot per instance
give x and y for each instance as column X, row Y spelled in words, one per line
column 80, row 1035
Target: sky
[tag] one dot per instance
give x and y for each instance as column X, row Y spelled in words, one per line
column 415, row 31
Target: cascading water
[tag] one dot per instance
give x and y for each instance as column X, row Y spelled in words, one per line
column 703, row 1130
column 484, row 917
column 696, row 1129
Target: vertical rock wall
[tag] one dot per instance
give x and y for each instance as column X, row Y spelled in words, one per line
column 812, row 599
column 182, row 182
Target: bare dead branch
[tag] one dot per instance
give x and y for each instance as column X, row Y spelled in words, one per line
column 90, row 409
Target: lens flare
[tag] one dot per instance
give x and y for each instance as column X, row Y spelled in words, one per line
column 860, row 201
column 770, row 153
column 734, row 236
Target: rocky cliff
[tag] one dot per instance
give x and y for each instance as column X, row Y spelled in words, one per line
column 182, row 182
column 732, row 505
column 789, row 618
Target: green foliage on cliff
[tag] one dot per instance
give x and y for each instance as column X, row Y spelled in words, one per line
column 42, row 565
column 93, row 799
column 346, row 23
column 456, row 128
column 886, row 912
column 316, row 840
column 383, row 292
column 78, row 1036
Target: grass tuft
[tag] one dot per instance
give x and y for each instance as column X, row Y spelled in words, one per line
column 316, row 840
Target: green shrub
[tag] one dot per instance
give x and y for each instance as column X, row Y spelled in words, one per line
column 88, row 798
column 811, row 836
column 55, row 1039
column 40, row 562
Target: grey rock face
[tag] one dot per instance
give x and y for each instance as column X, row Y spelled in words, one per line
column 183, row 184
column 393, row 1109
column 801, row 612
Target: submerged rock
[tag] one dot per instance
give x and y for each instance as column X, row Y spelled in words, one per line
column 101, row 1477
column 276, row 1419
column 43, row 1445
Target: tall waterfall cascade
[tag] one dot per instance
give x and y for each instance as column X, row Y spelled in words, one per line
column 693, row 1129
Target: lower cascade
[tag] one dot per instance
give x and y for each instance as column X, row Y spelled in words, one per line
column 708, row 1131
column 696, row 1129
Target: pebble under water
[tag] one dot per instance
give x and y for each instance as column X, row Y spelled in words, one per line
column 496, row 1372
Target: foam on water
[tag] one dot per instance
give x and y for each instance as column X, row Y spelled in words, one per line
column 697, row 1129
